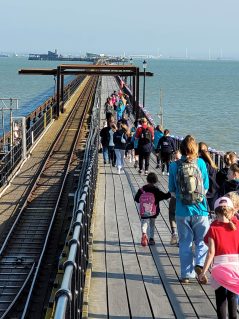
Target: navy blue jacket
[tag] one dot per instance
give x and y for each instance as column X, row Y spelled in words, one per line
column 117, row 140
column 166, row 144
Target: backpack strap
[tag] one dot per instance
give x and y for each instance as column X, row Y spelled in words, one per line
column 142, row 190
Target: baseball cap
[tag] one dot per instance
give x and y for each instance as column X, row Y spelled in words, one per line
column 223, row 201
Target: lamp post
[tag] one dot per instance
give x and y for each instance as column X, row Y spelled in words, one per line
column 130, row 76
column 123, row 78
column 144, row 67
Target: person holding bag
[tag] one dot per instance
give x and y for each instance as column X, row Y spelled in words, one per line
column 119, row 139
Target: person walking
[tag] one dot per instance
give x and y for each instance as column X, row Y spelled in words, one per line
column 120, row 110
column 137, row 124
column 166, row 147
column 229, row 158
column 105, row 137
column 223, row 242
column 188, row 182
column 232, row 183
column 149, row 197
column 158, row 133
column 111, row 148
column 145, row 136
column 212, row 193
column 119, row 139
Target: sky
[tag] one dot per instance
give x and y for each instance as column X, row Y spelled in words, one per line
column 169, row 28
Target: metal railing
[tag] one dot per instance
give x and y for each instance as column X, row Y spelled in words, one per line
column 37, row 122
column 217, row 156
column 69, row 298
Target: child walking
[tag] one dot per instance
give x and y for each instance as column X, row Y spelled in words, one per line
column 149, row 197
column 223, row 250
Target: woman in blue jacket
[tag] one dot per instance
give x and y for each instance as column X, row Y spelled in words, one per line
column 192, row 219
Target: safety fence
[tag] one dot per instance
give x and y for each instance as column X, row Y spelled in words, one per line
column 34, row 125
column 69, row 298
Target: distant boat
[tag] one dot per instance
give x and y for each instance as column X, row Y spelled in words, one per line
column 4, row 55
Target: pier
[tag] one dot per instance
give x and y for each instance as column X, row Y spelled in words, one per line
column 91, row 263
column 128, row 280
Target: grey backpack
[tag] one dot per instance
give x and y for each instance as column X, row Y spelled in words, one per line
column 190, row 182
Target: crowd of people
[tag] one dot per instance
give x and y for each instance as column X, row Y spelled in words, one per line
column 203, row 199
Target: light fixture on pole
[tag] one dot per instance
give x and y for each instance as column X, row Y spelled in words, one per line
column 144, row 67
column 123, row 60
column 130, row 76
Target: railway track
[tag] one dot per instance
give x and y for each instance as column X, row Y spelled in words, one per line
column 23, row 250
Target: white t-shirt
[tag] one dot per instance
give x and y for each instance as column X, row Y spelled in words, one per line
column 111, row 142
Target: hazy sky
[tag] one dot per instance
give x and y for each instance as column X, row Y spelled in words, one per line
column 167, row 27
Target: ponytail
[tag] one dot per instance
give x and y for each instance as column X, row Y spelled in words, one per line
column 224, row 210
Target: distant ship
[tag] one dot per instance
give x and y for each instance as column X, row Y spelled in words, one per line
column 4, row 55
column 89, row 57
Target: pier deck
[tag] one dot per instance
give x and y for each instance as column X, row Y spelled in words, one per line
column 128, row 280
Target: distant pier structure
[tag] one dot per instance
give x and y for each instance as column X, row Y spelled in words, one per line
column 89, row 57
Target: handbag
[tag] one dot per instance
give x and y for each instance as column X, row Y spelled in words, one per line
column 123, row 140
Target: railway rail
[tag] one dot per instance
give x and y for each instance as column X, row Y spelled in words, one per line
column 24, row 248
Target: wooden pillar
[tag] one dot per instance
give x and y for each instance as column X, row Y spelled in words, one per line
column 133, row 95
column 58, row 85
column 62, row 94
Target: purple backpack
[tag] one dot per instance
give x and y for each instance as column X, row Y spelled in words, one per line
column 147, row 206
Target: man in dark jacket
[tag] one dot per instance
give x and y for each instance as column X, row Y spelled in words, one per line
column 167, row 147
column 145, row 136
column 105, row 138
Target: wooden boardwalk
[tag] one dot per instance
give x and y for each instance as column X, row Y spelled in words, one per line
column 128, row 280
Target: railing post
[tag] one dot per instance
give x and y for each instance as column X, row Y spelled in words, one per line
column 44, row 120
column 24, row 142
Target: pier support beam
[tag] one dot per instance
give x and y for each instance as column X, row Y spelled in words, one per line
column 62, row 94
column 101, row 70
column 133, row 95
column 58, row 84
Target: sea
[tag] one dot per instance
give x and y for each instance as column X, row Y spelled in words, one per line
column 200, row 98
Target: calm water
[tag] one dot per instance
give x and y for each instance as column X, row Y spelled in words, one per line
column 199, row 97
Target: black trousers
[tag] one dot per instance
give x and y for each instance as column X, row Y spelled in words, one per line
column 144, row 157
column 166, row 159
column 112, row 157
column 226, row 298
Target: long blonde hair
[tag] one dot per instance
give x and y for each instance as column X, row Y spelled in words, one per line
column 189, row 147
column 203, row 150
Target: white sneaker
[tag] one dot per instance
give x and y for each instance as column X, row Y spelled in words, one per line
column 119, row 171
column 174, row 239
column 168, row 174
column 163, row 173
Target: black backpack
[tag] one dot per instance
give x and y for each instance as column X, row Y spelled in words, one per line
column 145, row 137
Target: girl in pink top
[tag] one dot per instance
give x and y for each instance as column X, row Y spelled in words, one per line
column 223, row 250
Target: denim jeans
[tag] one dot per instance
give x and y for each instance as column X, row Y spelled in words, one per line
column 147, row 226
column 105, row 154
column 119, row 158
column 191, row 229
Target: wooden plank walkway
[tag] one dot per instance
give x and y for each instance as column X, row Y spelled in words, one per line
column 128, row 280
